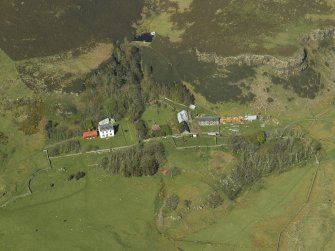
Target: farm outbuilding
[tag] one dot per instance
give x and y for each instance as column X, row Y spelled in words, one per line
column 90, row 134
column 224, row 120
column 182, row 116
column 185, row 129
column 251, row 117
column 206, row 121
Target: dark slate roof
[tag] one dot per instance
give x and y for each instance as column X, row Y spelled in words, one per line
column 209, row 118
column 185, row 126
column 106, row 127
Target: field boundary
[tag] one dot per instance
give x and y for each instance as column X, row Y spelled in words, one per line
column 300, row 210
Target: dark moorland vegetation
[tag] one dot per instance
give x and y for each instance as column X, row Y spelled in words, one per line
column 139, row 160
column 263, row 153
column 229, row 87
column 65, row 24
column 307, row 84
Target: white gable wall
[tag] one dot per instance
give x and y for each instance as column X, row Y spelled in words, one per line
column 106, row 133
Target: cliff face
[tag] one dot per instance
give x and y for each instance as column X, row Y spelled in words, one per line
column 282, row 66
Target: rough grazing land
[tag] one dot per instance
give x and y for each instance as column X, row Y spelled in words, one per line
column 43, row 28
column 223, row 33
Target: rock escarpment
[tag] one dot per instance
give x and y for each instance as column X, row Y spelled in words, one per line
column 282, row 66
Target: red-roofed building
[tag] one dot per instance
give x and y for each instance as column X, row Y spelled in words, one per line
column 90, row 134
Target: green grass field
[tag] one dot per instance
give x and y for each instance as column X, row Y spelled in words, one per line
column 24, row 154
column 162, row 115
column 98, row 212
column 256, row 222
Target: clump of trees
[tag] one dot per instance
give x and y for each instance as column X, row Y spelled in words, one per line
column 164, row 131
column 121, row 86
column 215, row 200
column 55, row 131
column 76, row 176
column 142, row 129
column 171, row 203
column 139, row 160
column 64, row 148
column 115, row 87
column 261, row 154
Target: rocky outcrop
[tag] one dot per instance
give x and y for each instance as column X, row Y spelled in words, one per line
column 318, row 35
column 283, row 66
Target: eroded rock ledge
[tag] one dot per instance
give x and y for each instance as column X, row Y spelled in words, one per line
column 285, row 66
column 282, row 66
column 318, row 35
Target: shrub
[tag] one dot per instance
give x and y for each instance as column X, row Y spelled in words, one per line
column 79, row 175
column 174, row 171
column 215, row 200
column 187, row 204
column 171, row 203
column 270, row 100
column 76, row 176
column 143, row 159
column 64, row 148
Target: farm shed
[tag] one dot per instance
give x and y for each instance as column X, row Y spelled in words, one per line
column 206, row 121
column 182, row 116
column 90, row 134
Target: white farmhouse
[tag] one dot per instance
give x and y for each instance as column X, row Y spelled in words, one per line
column 106, row 128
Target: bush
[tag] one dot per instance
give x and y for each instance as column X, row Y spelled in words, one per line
column 187, row 204
column 171, row 203
column 55, row 131
column 270, row 100
column 76, row 176
column 215, row 200
column 79, row 175
column 142, row 129
column 54, row 151
column 64, row 148
column 143, row 159
column 260, row 156
column 174, row 171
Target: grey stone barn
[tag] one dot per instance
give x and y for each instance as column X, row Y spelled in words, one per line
column 207, row 121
